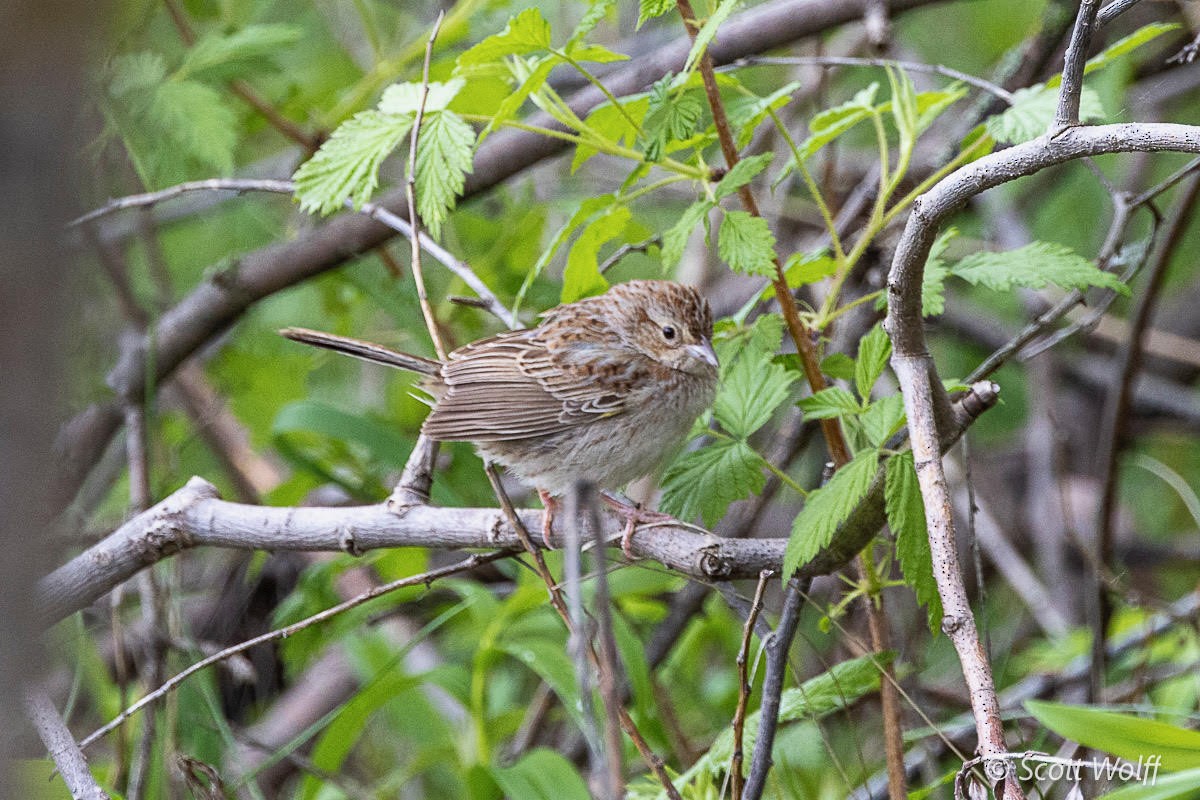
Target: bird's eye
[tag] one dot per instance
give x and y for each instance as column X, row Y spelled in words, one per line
column 668, row 332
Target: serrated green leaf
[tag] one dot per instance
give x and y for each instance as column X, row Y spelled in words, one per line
column 758, row 342
column 746, row 113
column 615, row 126
column 221, row 56
column 676, row 237
column 882, row 419
column 1123, row 46
column 596, row 53
column 827, row 508
column 445, row 148
column 931, row 105
column 749, row 394
column 805, row 268
column 933, row 281
column 597, row 11
column 649, row 9
column 1123, row 735
column 540, row 774
column 1033, row 110
column 136, row 71
column 742, row 173
column 347, row 165
column 1035, row 266
column 670, row 115
column 582, row 276
column 906, row 518
column 704, row 482
column 405, row 98
column 527, row 32
column 707, row 32
column 830, row 403
column 746, row 244
column 831, row 123
column 532, row 77
column 979, row 142
column 874, row 349
column 838, row 365
column 903, row 106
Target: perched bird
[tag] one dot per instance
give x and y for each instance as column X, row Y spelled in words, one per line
column 601, row 391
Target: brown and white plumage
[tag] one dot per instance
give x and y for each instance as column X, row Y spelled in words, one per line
column 600, row 391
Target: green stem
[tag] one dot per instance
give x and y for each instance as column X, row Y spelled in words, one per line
column 594, row 81
column 810, row 183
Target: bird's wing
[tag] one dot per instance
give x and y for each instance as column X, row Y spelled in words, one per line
column 515, row 386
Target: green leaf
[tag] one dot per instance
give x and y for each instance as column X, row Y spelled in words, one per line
column 676, row 237
column 838, row 365
column 873, row 352
column 805, row 268
column 746, row 113
column 196, row 118
column 830, row 403
column 746, row 244
column 827, row 508
column 903, row 106
column 597, row 11
column 136, row 71
column 933, row 281
column 670, row 116
column 532, row 77
column 707, row 32
column 1123, row 735
column 1036, row 265
column 833, row 122
column 405, row 98
column 758, row 342
column 749, row 394
column 979, row 142
column 541, row 774
column 650, row 9
column 1121, row 47
column 220, row 56
column 445, row 148
column 840, row 687
column 906, row 518
column 596, row 53
column 1176, row 786
column 931, row 105
column 742, row 173
column 347, row 165
column 527, row 32
column 882, row 419
column 582, row 276
column 704, row 482
column 1032, row 112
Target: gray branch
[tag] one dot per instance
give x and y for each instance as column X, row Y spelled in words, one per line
column 65, row 753
column 919, row 379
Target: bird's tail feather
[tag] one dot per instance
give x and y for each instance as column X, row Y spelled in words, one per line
column 367, row 351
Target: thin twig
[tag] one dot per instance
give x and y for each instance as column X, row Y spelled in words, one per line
column 777, row 648
column 372, row 210
column 1114, row 10
column 609, row 662
column 743, row 669
column 410, row 192
column 1067, row 113
column 652, row 759
column 848, row 61
column 1115, row 426
column 282, row 633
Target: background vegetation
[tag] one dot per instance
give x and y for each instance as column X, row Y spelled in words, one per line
column 1076, row 496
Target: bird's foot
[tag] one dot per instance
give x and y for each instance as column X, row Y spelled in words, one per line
column 634, row 515
column 551, row 508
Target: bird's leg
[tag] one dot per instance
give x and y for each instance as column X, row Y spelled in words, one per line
column 551, row 508
column 633, row 514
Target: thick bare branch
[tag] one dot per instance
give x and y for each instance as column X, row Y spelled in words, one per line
column 919, row 378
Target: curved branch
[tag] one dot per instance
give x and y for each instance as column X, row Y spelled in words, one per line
column 919, row 379
column 194, row 516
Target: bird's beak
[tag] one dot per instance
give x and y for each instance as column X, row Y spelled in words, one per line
column 704, row 352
